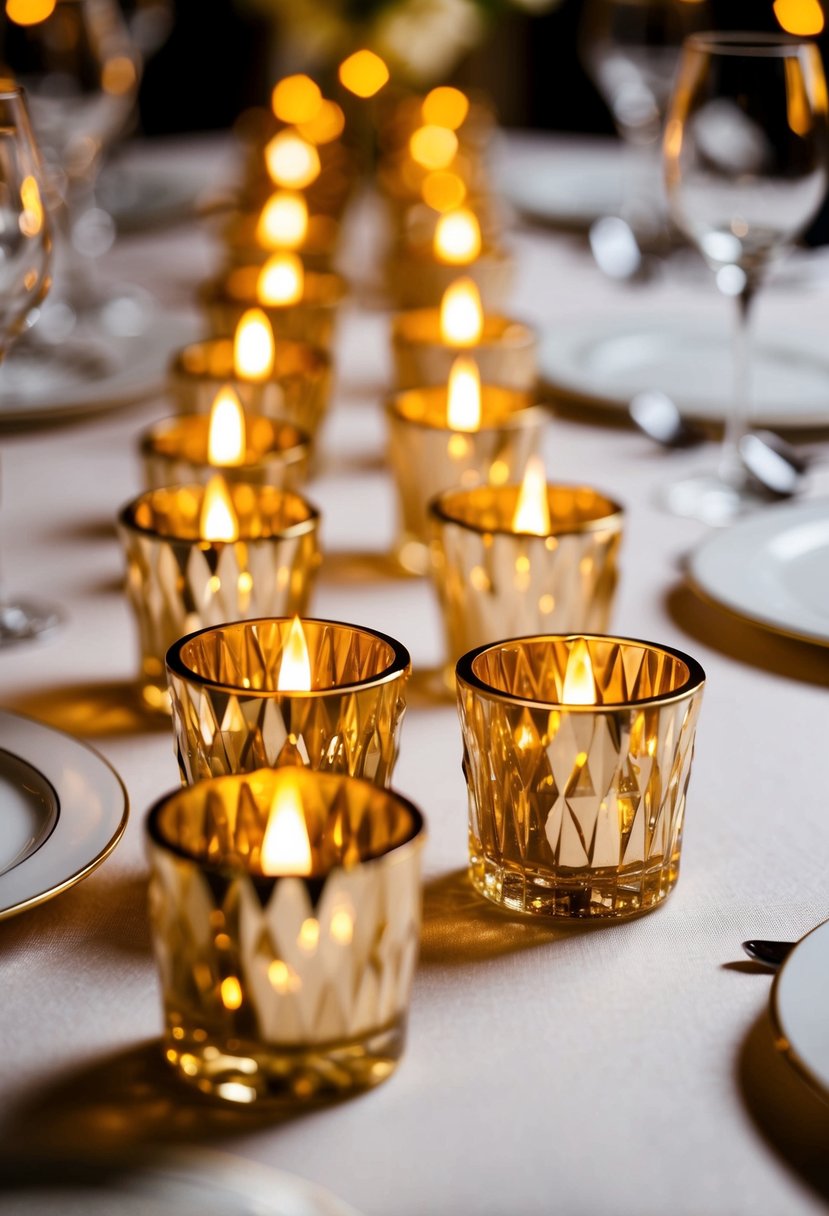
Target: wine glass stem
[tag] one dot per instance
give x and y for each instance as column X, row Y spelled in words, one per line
column 736, row 423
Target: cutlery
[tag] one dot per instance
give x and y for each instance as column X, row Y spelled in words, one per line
column 771, row 954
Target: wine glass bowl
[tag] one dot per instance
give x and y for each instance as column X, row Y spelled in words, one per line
column 746, row 155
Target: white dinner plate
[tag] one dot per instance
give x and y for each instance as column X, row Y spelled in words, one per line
column 561, row 182
column 605, row 360
column 63, row 811
column 772, row 569
column 178, row 1183
column 47, row 384
column 800, row 1008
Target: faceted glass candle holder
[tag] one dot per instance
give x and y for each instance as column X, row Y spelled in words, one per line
column 415, row 279
column 427, row 457
column 310, row 319
column 293, row 988
column 174, row 452
column 576, row 810
column 297, row 391
column 178, row 582
column 230, row 715
column 507, row 353
column 494, row 582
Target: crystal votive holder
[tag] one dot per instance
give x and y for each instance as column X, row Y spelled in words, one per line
column 231, row 716
column 577, row 757
column 292, row 986
column 427, row 457
column 506, row 354
column 495, row 582
column 177, row 582
column 310, row 319
column 296, row 391
column 416, row 279
column 174, row 452
column 245, row 246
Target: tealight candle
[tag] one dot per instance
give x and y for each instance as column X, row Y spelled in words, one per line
column 519, row 559
column 280, row 691
column 197, row 555
column 282, row 223
column 458, row 435
column 300, row 304
column 577, row 754
column 426, row 341
column 285, row 911
column 191, row 447
column 288, row 379
column 288, row 157
column 417, row 275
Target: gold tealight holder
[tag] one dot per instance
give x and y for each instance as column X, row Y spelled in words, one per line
column 197, row 555
column 285, row 910
column 256, row 693
column 520, row 559
column 291, row 380
column 415, row 279
column 304, row 310
column 577, row 755
column 175, row 451
column 427, row 454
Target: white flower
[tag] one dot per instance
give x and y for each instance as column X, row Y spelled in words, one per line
column 425, row 38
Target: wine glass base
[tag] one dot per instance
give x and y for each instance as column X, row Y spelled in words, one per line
column 710, row 499
column 22, row 620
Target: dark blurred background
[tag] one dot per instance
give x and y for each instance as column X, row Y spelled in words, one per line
column 217, row 59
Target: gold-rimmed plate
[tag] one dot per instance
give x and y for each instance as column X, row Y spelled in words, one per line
column 63, row 809
column 800, row 1008
column 771, row 569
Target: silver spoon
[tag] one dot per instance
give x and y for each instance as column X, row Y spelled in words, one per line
column 770, row 954
column 658, row 417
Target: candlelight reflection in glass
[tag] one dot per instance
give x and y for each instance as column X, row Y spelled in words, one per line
column 285, row 909
column 518, row 559
column 279, row 691
column 300, row 304
column 459, row 435
column 286, row 379
column 197, row 555
column 425, row 342
column 191, row 447
column 577, row 756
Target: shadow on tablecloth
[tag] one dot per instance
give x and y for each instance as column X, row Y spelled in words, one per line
column 793, row 1121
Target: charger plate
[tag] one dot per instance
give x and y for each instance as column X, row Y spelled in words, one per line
column 800, row 1008
column 63, row 809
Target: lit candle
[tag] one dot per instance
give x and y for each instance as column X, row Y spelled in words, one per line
column 461, row 434
column 515, row 559
column 292, row 162
column 289, row 874
column 425, row 341
column 578, row 751
column 316, row 693
column 457, row 238
column 261, row 451
column 200, row 554
column 283, row 221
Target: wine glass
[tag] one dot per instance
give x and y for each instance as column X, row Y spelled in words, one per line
column 630, row 49
column 25, row 250
column 80, row 70
column 746, row 159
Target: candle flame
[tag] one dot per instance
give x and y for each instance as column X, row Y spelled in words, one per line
column 463, row 397
column 461, row 314
column 286, row 846
column 295, row 667
column 253, row 346
column 433, row 147
column 457, row 237
column 291, row 161
column 283, row 222
column 326, row 125
column 532, row 511
column 445, row 107
column 281, row 280
column 226, row 434
column 29, row 12
column 218, row 519
column 443, row 190
column 803, row 18
column 579, row 685
column 296, row 99
column 363, row 73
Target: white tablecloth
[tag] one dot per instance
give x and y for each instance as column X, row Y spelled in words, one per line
column 588, row 1070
